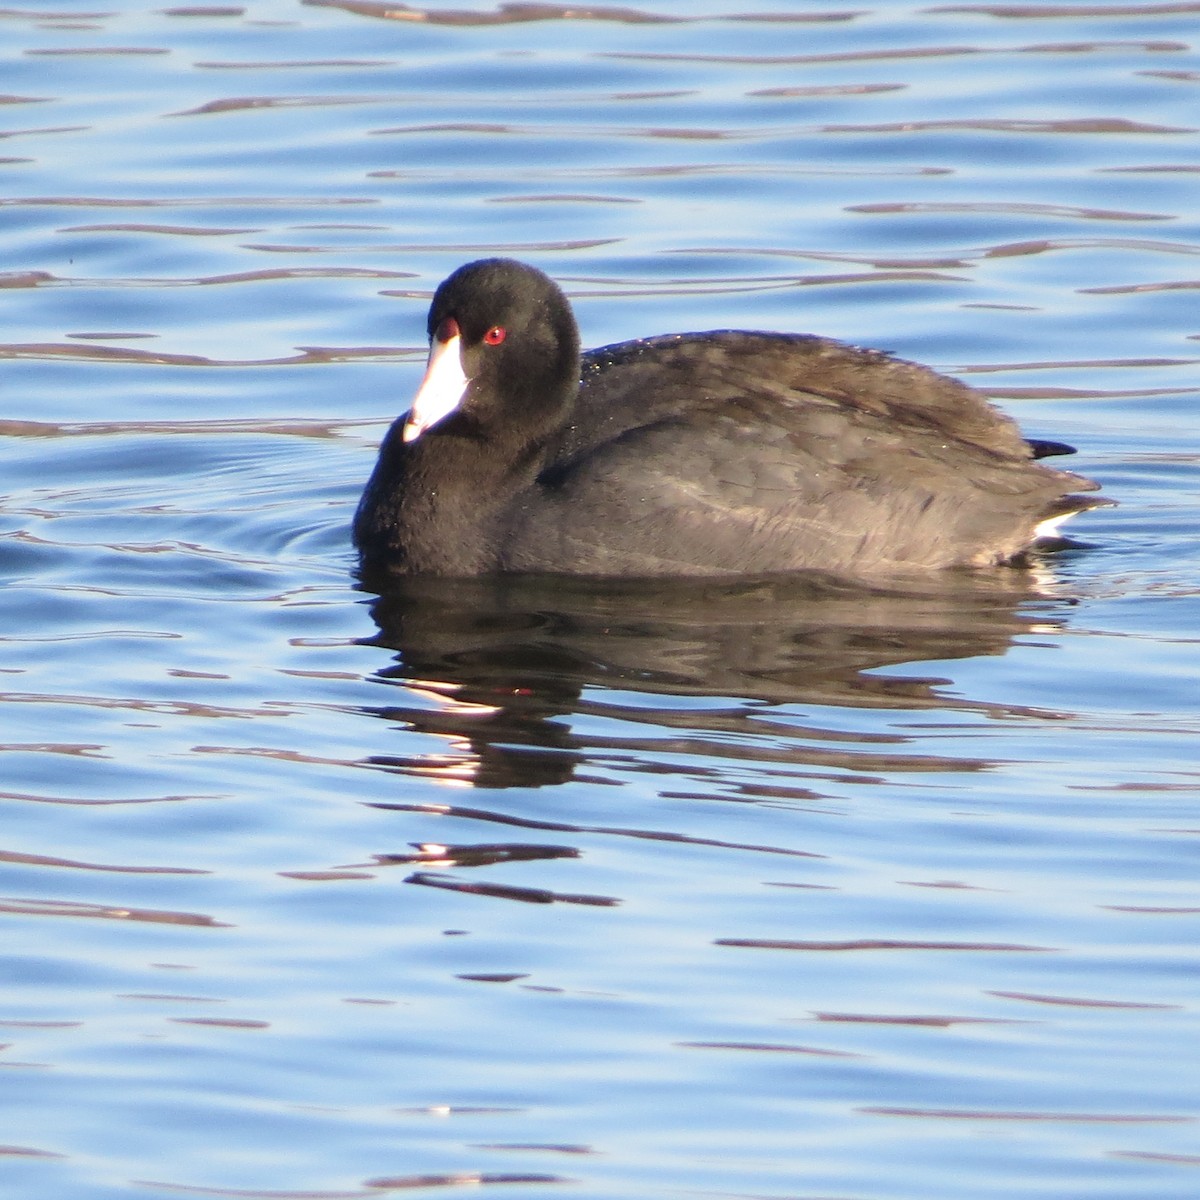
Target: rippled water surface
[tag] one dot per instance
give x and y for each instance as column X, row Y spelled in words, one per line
column 779, row 889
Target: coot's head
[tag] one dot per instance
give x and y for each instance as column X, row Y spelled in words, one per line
column 503, row 356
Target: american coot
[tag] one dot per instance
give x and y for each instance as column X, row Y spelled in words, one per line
column 689, row 454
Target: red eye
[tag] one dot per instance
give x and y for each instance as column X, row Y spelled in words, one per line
column 495, row 335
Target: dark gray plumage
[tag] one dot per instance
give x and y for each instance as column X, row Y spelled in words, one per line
column 693, row 454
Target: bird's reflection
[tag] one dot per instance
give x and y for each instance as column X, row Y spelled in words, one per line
column 499, row 667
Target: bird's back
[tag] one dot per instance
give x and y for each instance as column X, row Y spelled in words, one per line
column 732, row 452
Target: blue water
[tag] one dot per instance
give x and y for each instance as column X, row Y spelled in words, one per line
column 780, row 890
